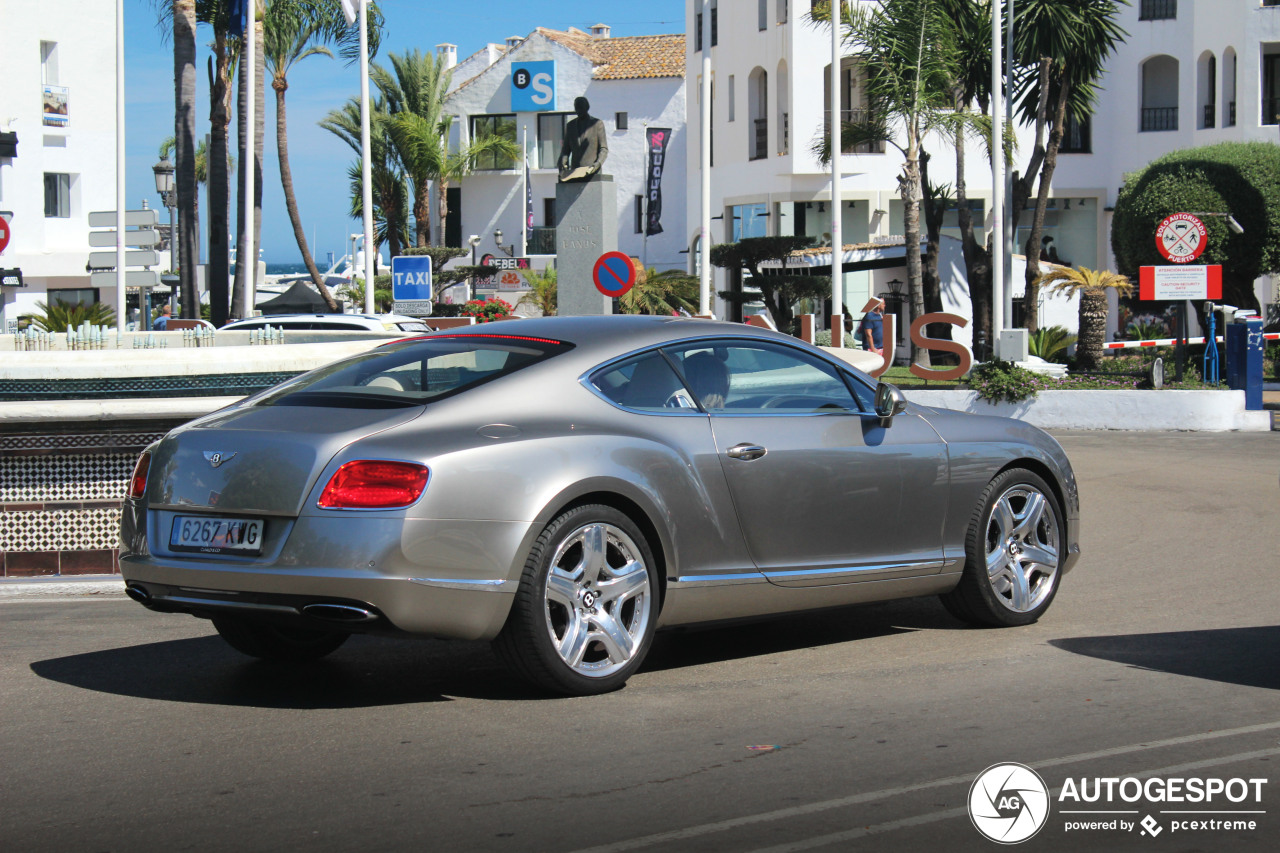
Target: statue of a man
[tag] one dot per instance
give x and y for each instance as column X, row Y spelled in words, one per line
column 586, row 145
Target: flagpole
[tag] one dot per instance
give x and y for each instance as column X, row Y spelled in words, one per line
column 247, row 256
column 524, row 181
column 121, row 275
column 997, row 182
column 704, row 158
column 837, row 225
column 366, row 158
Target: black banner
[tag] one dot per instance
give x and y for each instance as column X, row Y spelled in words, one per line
column 658, row 138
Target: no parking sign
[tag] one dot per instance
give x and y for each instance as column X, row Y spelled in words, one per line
column 614, row 274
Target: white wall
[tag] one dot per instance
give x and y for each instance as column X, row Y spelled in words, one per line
column 493, row 199
column 51, row 252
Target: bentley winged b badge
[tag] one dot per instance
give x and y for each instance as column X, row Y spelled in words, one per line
column 217, row 457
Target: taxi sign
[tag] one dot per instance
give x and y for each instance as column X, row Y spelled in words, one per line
column 411, row 278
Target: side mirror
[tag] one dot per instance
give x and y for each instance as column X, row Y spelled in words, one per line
column 889, row 402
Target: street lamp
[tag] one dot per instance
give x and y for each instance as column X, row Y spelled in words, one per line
column 509, row 251
column 1232, row 225
column 474, row 240
column 169, row 197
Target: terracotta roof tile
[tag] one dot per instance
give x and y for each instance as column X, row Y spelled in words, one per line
column 625, row 58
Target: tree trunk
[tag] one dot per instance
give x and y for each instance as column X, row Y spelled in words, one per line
column 1093, row 328
column 242, row 163
column 421, row 214
column 442, row 190
column 977, row 261
column 290, row 201
column 217, row 273
column 259, row 139
column 909, row 189
column 184, row 134
column 1032, row 300
column 934, row 211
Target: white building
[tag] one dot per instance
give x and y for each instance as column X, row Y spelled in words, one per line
column 1190, row 74
column 58, row 100
column 634, row 85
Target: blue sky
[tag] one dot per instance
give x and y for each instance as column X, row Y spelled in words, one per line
column 319, row 160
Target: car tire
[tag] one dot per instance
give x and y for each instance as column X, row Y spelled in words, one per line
column 277, row 643
column 1013, row 553
column 584, row 613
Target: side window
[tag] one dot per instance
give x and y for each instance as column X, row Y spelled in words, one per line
column 645, row 383
column 761, row 378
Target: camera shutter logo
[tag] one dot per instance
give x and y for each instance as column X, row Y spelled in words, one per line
column 1008, row 803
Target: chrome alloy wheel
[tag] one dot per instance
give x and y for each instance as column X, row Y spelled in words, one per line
column 1022, row 548
column 597, row 599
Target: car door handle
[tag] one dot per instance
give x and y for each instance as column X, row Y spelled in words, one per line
column 746, row 451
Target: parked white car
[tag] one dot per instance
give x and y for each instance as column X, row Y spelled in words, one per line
column 332, row 323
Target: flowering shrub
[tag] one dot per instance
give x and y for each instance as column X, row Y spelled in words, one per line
column 487, row 310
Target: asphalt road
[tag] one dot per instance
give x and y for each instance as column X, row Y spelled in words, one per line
column 858, row 729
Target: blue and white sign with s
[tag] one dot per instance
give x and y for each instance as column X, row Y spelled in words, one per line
column 533, row 86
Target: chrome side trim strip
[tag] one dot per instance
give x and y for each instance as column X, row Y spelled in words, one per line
column 716, row 580
column 852, row 571
column 481, row 585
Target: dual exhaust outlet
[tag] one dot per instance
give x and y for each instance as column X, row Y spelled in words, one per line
column 346, row 614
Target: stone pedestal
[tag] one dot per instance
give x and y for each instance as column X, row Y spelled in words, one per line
column 586, row 228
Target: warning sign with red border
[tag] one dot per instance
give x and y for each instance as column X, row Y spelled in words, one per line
column 1181, row 238
column 1203, row 281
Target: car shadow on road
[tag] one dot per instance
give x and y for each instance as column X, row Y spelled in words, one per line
column 379, row 671
column 365, row 672
column 776, row 634
column 1245, row 656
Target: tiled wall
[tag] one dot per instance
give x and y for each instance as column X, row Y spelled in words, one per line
column 60, row 496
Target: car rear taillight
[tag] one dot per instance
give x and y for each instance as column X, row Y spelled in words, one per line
column 374, row 484
column 138, row 482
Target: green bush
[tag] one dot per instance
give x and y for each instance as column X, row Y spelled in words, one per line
column 822, row 338
column 1051, row 343
column 1003, row 380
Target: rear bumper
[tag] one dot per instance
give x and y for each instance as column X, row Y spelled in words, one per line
column 424, row 606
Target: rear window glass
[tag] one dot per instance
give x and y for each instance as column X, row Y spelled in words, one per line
column 413, row 373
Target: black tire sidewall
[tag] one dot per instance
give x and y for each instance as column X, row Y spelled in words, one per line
column 975, row 549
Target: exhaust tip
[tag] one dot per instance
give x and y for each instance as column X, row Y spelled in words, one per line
column 138, row 594
column 339, row 613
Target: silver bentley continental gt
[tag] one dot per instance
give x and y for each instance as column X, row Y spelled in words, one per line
column 566, row 486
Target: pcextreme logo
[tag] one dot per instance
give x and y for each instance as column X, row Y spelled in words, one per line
column 1008, row 803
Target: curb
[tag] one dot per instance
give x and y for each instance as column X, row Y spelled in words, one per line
column 90, row 586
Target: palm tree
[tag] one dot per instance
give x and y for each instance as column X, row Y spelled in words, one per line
column 184, row 109
column 167, row 148
column 239, row 288
column 543, row 292
column 1061, row 49
column 390, row 193
column 63, row 315
column 1092, row 287
column 415, row 91
column 663, row 292
column 293, row 31
column 908, row 50
column 217, row 14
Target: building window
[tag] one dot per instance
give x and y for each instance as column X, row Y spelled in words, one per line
column 620, row 121
column 782, row 11
column 73, row 296
column 758, row 114
column 1158, row 10
column 762, row 14
column 1229, row 87
column 1208, row 90
column 49, row 63
column 732, row 88
column 750, row 220
column 1159, row 94
column 639, row 214
column 697, row 32
column 57, row 196
column 550, row 138
column 549, row 212
column 1271, row 88
column 1077, row 136
column 503, row 126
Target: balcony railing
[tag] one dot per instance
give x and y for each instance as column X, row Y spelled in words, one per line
column 1158, row 10
column 860, row 115
column 1231, row 109
column 1210, row 113
column 1159, row 118
column 784, row 145
column 542, row 240
column 760, row 139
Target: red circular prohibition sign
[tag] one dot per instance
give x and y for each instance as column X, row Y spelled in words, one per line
column 614, row 274
column 1181, row 238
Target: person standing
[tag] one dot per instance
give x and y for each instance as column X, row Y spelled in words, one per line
column 161, row 323
column 872, row 328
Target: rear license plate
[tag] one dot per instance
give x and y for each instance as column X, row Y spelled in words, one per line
column 210, row 535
